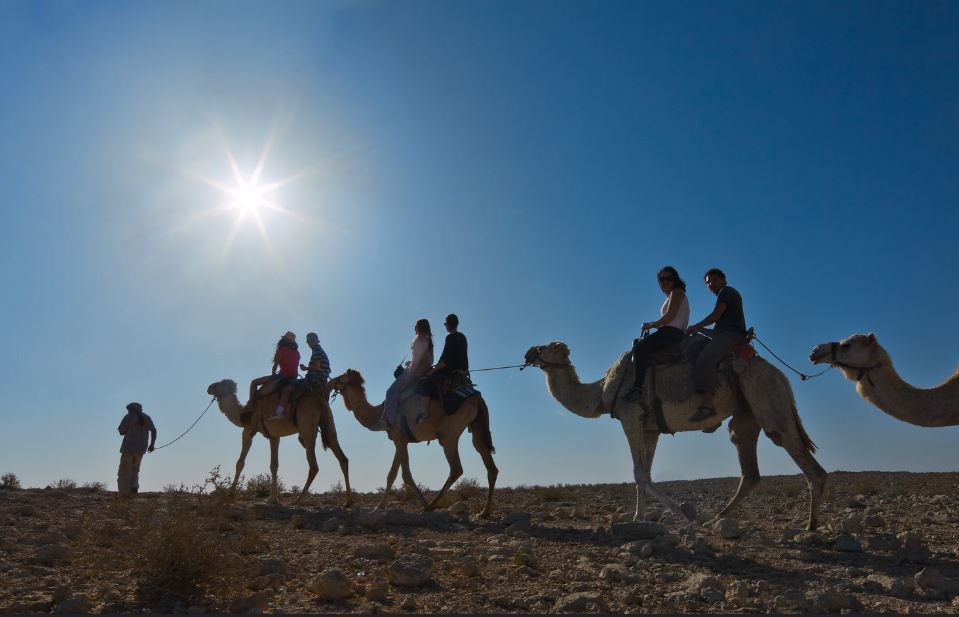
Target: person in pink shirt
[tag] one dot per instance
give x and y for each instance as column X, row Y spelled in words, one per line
column 286, row 362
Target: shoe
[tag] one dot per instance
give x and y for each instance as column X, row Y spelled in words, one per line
column 702, row 413
column 634, row 394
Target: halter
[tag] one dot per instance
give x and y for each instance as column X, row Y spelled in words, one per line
column 863, row 370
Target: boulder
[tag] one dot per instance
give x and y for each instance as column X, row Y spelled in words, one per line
column 847, row 544
column 644, row 530
column 580, row 601
column 935, row 585
column 376, row 591
column 374, row 521
column 73, row 606
column 912, row 548
column 835, row 601
column 411, row 571
column 332, row 584
column 256, row 601
column 53, row 554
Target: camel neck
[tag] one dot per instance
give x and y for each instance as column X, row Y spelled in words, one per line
column 584, row 400
column 354, row 397
column 231, row 408
column 929, row 407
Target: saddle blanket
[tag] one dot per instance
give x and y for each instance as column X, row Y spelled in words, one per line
column 453, row 400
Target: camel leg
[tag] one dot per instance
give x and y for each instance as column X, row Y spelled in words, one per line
column 345, row 468
column 744, row 433
column 491, row 471
column 309, row 444
column 636, row 438
column 452, row 451
column 815, row 475
column 401, row 447
column 274, row 467
column 390, row 479
column 650, row 439
column 248, row 435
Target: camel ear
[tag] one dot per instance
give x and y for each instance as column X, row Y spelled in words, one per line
column 871, row 338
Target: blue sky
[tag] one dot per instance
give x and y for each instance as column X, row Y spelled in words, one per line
column 529, row 166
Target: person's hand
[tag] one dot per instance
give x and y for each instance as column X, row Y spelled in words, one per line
column 408, row 363
column 693, row 329
column 151, row 448
column 647, row 325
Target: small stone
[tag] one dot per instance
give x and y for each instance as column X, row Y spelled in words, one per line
column 374, row 521
column 271, row 565
column 299, row 521
column 728, row 528
column 791, row 601
column 579, row 602
column 834, row 601
column 52, row 554
column 935, row 585
column 62, row 593
column 257, row 601
column 379, row 551
column 74, row 605
column 737, row 592
column 51, row 536
column 411, row 571
column 408, row 604
column 376, row 591
column 332, row 584
column 882, row 542
column 644, row 530
column 912, row 548
column 848, row 544
column 469, row 567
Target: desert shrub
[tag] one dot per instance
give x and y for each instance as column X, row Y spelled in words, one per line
column 407, row 494
column 294, row 490
column 549, row 493
column 176, row 488
column 95, row 486
column 9, row 481
column 336, row 489
column 181, row 547
column 64, row 484
column 467, row 488
column 259, row 485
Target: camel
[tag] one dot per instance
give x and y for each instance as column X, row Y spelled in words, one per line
column 312, row 412
column 863, row 360
column 472, row 413
column 764, row 402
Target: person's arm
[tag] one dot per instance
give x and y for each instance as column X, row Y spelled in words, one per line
column 672, row 308
column 710, row 319
column 153, row 439
column 124, row 425
column 276, row 362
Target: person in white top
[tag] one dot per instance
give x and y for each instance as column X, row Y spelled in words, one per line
column 670, row 327
column 422, row 362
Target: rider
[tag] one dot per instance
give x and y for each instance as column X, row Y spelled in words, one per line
column 422, row 348
column 730, row 329
column 318, row 371
column 670, row 327
column 454, row 358
column 285, row 358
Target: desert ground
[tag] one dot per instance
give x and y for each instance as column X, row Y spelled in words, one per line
column 888, row 542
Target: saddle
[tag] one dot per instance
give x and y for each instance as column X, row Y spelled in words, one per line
column 452, row 391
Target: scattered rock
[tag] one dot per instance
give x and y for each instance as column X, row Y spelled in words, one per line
column 882, row 542
column 53, row 554
column 411, row 571
column 912, row 548
column 737, row 592
column 266, row 566
column 74, row 605
column 728, row 528
column 257, row 601
column 459, row 507
column 791, row 601
column 935, row 586
column 848, row 544
column 469, row 567
column 332, row 584
column 644, row 530
column 835, row 601
column 377, row 551
column 580, row 602
column 408, row 603
column 376, row 591
column 374, row 521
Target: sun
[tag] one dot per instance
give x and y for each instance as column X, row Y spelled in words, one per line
column 249, row 198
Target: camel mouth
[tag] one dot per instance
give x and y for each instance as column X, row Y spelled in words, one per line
column 532, row 357
column 821, row 354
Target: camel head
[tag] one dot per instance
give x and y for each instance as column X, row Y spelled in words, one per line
column 857, row 353
column 351, row 377
column 225, row 387
column 550, row 354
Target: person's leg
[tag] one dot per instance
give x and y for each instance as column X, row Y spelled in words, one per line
column 135, row 472
column 259, row 381
column 427, row 386
column 284, row 399
column 643, row 350
column 704, row 371
column 123, row 474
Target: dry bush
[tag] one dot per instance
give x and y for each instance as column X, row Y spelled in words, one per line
column 467, row 488
column 185, row 549
column 260, row 485
column 9, row 481
column 337, row 490
column 407, row 494
column 95, row 486
column 548, row 493
column 64, row 484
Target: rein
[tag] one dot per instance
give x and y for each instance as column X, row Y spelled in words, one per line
column 863, row 370
column 191, row 426
column 802, row 375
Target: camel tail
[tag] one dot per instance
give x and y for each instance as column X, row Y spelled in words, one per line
column 481, row 423
column 807, row 441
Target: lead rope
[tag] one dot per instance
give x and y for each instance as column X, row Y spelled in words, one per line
column 191, row 426
column 802, row 375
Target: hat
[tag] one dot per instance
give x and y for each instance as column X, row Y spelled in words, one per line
column 290, row 336
column 452, row 320
column 134, row 407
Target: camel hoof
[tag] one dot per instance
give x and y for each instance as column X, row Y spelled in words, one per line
column 348, row 503
column 688, row 510
column 485, row 514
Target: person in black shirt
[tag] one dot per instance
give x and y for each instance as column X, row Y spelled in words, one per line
column 454, row 358
column 730, row 329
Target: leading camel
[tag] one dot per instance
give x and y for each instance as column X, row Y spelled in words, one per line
column 472, row 413
column 312, row 412
column 764, row 403
column 863, row 360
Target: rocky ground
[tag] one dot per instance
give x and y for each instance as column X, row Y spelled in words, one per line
column 887, row 543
